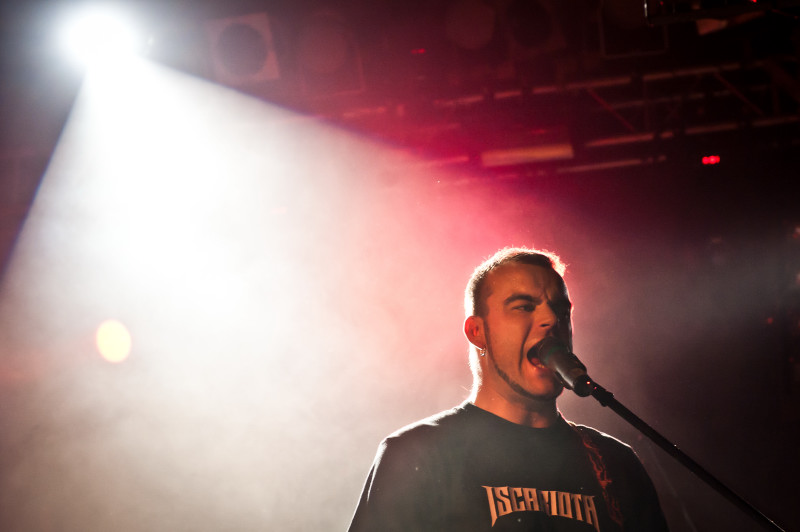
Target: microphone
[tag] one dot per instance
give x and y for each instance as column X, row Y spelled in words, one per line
column 556, row 356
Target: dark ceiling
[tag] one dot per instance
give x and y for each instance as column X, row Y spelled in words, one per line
column 458, row 78
column 530, row 89
column 524, row 88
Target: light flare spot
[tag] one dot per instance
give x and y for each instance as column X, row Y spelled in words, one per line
column 113, row 341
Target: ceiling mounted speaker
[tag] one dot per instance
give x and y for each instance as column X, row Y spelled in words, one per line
column 470, row 24
column 534, row 26
column 328, row 56
column 242, row 50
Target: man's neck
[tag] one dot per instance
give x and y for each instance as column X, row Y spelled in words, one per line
column 529, row 412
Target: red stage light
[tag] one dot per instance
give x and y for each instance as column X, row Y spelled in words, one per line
column 711, row 159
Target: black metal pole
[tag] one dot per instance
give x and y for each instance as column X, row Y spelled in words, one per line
column 606, row 398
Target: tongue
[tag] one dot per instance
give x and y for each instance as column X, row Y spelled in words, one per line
column 533, row 359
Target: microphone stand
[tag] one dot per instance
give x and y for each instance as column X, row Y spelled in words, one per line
column 606, row 398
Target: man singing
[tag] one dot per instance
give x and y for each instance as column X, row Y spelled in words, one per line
column 506, row 459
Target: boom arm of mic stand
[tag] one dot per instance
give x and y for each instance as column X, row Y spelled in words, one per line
column 606, row 398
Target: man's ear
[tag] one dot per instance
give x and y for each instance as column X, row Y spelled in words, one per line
column 475, row 331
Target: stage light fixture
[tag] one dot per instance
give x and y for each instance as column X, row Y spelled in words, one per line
column 100, row 35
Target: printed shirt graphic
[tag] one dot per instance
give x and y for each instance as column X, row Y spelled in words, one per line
column 469, row 470
column 505, row 500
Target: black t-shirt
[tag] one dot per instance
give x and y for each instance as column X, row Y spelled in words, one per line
column 466, row 469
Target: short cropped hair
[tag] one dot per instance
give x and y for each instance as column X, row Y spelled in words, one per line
column 475, row 296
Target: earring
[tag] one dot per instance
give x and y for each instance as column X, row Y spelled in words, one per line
column 482, row 351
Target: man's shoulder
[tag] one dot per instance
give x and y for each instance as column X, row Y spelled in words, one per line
column 616, row 453
column 441, row 429
column 630, row 481
column 443, row 421
column 598, row 435
column 604, row 441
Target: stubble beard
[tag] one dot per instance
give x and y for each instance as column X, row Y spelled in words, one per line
column 518, row 388
column 515, row 386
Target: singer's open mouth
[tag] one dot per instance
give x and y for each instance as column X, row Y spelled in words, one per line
column 531, row 356
column 533, row 360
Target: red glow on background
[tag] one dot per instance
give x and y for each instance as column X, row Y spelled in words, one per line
column 113, row 341
column 418, row 51
column 711, row 159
